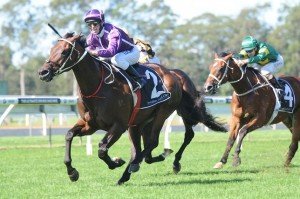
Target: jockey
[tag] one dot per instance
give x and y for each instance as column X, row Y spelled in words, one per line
column 108, row 41
column 147, row 55
column 264, row 57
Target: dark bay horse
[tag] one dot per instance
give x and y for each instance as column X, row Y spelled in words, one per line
column 253, row 103
column 106, row 103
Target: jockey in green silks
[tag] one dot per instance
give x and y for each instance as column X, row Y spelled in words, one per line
column 262, row 56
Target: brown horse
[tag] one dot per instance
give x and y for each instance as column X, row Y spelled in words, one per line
column 107, row 104
column 253, row 103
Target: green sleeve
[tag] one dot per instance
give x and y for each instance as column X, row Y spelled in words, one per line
column 241, row 55
column 262, row 54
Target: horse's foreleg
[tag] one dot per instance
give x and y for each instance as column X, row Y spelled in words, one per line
column 241, row 135
column 234, row 126
column 109, row 139
column 136, row 149
column 255, row 123
column 72, row 172
column 151, row 139
column 136, row 156
column 188, row 136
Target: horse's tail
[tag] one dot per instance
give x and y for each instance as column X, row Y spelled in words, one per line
column 192, row 107
column 207, row 118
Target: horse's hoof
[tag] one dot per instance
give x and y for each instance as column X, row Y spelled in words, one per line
column 219, row 165
column 74, row 175
column 167, row 152
column 287, row 164
column 236, row 162
column 119, row 183
column 176, row 168
column 119, row 161
column 133, row 168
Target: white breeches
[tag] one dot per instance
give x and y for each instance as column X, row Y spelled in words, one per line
column 126, row 58
column 272, row 67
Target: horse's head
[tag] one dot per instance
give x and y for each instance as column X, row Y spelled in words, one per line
column 64, row 55
column 218, row 73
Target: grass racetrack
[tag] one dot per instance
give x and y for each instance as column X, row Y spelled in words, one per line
column 29, row 168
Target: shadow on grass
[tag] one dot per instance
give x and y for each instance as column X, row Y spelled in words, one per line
column 199, row 181
column 254, row 171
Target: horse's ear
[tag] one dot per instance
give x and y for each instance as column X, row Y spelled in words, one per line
column 216, row 55
column 228, row 56
column 68, row 35
column 77, row 36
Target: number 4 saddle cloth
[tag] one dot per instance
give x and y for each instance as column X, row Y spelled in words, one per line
column 287, row 101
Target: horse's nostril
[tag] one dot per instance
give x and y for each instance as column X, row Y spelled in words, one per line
column 208, row 88
column 44, row 73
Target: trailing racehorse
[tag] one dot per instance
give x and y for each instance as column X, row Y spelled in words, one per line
column 107, row 103
column 254, row 103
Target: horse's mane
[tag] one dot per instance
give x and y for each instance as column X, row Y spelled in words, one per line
column 223, row 54
column 81, row 41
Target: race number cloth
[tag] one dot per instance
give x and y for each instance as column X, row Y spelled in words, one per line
column 288, row 101
column 154, row 92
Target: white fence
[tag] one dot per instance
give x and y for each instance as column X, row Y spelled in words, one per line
column 12, row 101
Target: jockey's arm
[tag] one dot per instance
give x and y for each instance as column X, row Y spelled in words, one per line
column 112, row 47
column 262, row 54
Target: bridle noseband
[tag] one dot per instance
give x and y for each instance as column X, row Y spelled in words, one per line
column 64, row 67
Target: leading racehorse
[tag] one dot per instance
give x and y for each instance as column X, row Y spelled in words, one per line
column 107, row 104
column 254, row 103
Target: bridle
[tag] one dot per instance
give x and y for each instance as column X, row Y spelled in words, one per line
column 234, row 81
column 64, row 67
column 225, row 73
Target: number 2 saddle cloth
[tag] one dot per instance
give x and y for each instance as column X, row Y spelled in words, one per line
column 154, row 91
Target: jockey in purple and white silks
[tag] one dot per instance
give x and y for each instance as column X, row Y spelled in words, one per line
column 108, row 41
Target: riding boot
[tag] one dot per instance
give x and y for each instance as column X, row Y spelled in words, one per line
column 276, row 85
column 136, row 76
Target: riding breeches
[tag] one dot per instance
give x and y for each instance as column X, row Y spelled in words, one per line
column 271, row 67
column 126, row 58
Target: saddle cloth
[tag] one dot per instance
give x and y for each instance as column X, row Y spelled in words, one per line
column 287, row 102
column 154, row 91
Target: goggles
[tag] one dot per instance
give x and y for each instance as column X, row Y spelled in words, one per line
column 92, row 23
column 249, row 51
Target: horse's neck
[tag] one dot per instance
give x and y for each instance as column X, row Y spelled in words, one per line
column 88, row 76
column 249, row 81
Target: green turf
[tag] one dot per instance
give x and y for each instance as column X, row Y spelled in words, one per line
column 30, row 169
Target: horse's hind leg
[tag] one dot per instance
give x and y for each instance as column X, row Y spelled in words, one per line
column 295, row 138
column 188, row 136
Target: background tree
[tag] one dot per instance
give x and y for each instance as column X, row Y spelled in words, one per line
column 286, row 37
column 189, row 45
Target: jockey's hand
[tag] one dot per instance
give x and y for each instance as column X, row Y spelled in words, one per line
column 242, row 62
column 93, row 52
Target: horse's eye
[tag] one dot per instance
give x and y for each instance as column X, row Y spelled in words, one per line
column 65, row 53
